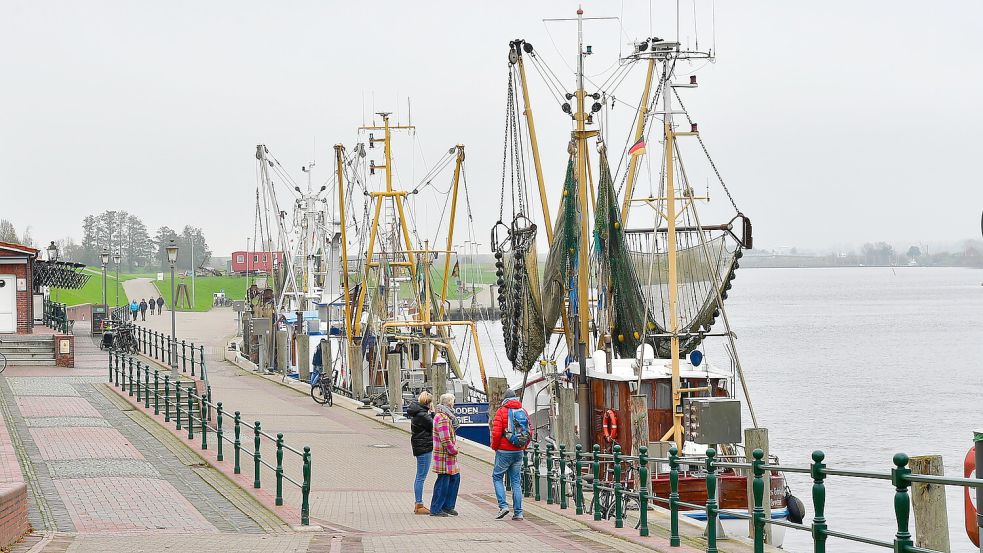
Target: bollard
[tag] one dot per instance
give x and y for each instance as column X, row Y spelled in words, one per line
column 597, row 483
column 156, row 392
column 256, row 454
column 204, row 426
column 902, row 502
column 191, row 418
column 550, row 499
column 674, row 540
column 237, row 445
column 218, row 430
column 305, row 489
column 579, row 479
column 177, row 403
column 184, row 359
column 619, row 521
column 758, row 490
column 526, row 480
column 279, row 469
column 167, row 398
column 535, row 470
column 818, row 474
column 563, row 476
column 711, row 502
column 643, row 491
column 146, row 386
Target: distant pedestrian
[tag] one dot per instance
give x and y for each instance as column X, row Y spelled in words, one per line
column 421, row 438
column 151, row 304
column 160, row 305
column 510, row 436
column 143, row 310
column 445, row 424
column 134, row 309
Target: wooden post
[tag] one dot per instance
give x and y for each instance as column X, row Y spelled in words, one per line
column 304, row 357
column 928, row 500
column 282, row 353
column 566, row 419
column 394, row 384
column 438, row 379
column 356, row 366
column 639, row 423
column 496, row 391
column 757, row 438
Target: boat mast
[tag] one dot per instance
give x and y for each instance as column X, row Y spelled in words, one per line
column 639, row 132
column 534, row 144
column 339, row 153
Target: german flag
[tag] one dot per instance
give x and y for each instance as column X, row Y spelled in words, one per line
column 456, row 271
column 638, row 149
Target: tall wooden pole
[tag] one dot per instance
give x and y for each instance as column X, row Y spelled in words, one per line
column 639, row 132
column 534, row 144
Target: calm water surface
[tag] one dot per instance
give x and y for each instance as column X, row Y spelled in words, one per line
column 861, row 363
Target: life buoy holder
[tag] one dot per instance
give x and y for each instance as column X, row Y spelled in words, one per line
column 609, row 424
column 969, row 468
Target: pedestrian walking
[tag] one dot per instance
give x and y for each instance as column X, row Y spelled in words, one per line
column 445, row 424
column 421, row 439
column 151, row 304
column 134, row 309
column 160, row 305
column 510, row 436
column 143, row 310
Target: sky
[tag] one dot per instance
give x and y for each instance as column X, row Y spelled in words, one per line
column 833, row 123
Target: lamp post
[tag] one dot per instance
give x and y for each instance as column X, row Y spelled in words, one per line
column 52, row 257
column 104, row 257
column 172, row 259
column 117, row 257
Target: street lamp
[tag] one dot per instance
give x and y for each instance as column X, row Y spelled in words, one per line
column 53, row 256
column 117, row 257
column 104, row 257
column 172, row 259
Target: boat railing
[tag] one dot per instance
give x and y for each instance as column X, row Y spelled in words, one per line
column 612, row 485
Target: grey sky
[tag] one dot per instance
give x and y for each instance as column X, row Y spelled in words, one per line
column 833, row 122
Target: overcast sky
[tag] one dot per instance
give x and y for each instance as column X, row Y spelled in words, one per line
column 834, row 122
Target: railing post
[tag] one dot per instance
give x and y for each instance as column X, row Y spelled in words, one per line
column 711, row 502
column 902, row 502
column 597, row 483
column 237, row 445
column 279, row 469
column 184, row 359
column 156, row 392
column 167, row 398
column 192, row 358
column 256, row 453
column 191, row 411
column 130, row 363
column 201, row 362
column 153, row 344
column 526, row 476
column 218, row 430
column 110, row 359
column 549, row 475
column 146, row 386
column 758, row 491
column 114, row 356
column 208, row 394
column 818, row 502
column 619, row 521
column 578, row 499
column 305, row 489
column 674, row 540
column 643, row 491
column 139, row 379
column 177, row 403
column 535, row 470
column 204, row 423
column 563, row 477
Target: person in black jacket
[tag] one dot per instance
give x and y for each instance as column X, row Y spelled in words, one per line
column 421, row 429
column 143, row 310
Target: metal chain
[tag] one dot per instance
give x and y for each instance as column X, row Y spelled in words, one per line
column 505, row 148
column 706, row 153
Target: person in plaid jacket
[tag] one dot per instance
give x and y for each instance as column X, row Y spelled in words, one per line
column 445, row 423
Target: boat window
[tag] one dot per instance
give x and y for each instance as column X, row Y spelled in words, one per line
column 663, row 395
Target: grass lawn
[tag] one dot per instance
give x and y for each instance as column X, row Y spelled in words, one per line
column 92, row 291
column 233, row 286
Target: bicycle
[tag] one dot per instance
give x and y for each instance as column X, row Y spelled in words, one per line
column 123, row 339
column 321, row 388
column 3, row 360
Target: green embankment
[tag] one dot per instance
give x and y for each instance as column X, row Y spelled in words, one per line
column 92, row 291
column 233, row 286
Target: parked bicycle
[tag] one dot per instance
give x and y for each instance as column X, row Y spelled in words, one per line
column 124, row 339
column 322, row 388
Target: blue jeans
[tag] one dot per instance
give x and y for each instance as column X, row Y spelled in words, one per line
column 422, row 468
column 510, row 462
column 445, row 492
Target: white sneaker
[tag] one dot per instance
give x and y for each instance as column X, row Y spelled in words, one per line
column 503, row 513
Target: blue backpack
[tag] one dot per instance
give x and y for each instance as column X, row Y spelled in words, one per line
column 518, row 433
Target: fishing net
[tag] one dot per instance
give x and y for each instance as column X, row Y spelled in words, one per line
column 563, row 253
column 519, row 296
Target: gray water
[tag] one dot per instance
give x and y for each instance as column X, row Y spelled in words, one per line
column 861, row 363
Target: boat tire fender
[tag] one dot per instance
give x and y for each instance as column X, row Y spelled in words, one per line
column 609, row 425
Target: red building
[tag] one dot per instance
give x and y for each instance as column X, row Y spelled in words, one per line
column 255, row 262
column 16, row 287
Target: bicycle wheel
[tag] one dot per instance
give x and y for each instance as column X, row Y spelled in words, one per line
column 329, row 395
column 3, row 362
column 318, row 395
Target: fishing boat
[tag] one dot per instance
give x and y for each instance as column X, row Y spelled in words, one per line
column 613, row 334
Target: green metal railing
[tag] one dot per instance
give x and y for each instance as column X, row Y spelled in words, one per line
column 190, row 410
column 160, row 347
column 55, row 316
column 609, row 485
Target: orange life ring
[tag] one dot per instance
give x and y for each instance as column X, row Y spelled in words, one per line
column 969, row 467
column 609, row 424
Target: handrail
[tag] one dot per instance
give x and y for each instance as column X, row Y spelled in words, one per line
column 161, row 347
column 613, row 480
column 55, row 316
column 196, row 408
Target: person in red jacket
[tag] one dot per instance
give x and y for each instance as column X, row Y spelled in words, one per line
column 510, row 436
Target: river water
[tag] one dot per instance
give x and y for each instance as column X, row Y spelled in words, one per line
column 861, row 363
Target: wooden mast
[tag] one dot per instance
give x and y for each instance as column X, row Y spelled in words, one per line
column 639, row 132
